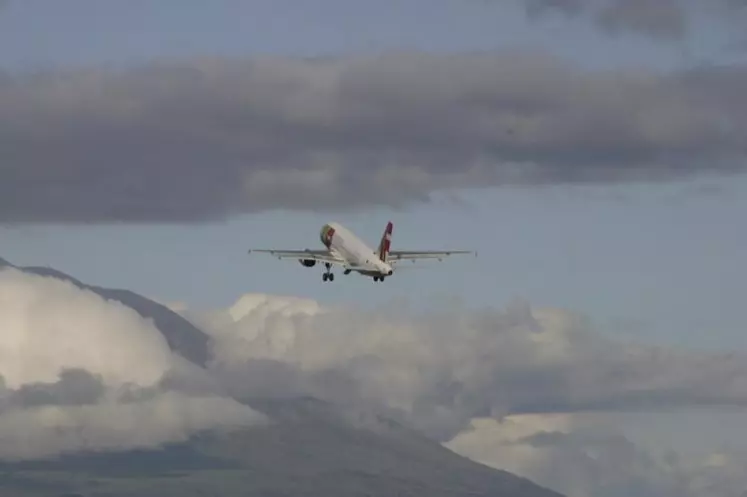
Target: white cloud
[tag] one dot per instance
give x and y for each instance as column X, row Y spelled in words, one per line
column 588, row 455
column 497, row 443
column 520, row 360
column 114, row 425
column 49, row 324
column 77, row 371
column 533, row 391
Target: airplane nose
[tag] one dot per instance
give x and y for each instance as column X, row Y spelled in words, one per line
column 390, row 272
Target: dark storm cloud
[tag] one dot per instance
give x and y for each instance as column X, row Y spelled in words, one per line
column 536, row 8
column 658, row 19
column 662, row 18
column 207, row 139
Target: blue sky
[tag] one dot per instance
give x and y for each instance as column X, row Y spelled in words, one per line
column 662, row 263
column 37, row 33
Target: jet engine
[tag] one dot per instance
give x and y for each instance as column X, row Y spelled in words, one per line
column 308, row 262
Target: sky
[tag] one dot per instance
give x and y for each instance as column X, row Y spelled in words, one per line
column 83, row 32
column 648, row 251
column 664, row 247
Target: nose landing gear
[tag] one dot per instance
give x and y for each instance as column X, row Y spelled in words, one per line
column 378, row 278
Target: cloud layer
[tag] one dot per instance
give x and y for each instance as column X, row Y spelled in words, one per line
column 534, row 391
column 540, row 385
column 204, row 139
column 78, row 372
column 589, row 456
column 447, row 367
column 657, row 19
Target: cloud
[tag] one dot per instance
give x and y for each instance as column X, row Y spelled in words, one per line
column 445, row 368
column 592, row 458
column 656, row 19
column 79, row 372
column 664, row 18
column 51, row 430
column 75, row 387
column 200, row 140
column 51, row 325
column 534, row 391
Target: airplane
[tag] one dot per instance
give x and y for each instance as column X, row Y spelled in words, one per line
column 343, row 248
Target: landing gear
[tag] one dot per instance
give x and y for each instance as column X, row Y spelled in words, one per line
column 378, row 278
column 329, row 275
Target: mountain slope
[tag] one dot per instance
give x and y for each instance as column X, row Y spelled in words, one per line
column 311, row 448
column 182, row 336
column 339, row 451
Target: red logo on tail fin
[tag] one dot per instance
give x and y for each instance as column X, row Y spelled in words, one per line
column 386, row 240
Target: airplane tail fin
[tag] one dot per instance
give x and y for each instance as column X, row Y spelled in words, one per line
column 386, row 240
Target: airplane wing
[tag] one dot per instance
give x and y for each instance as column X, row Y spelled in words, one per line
column 317, row 255
column 412, row 255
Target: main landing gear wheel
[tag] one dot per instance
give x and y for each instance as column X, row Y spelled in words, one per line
column 329, row 275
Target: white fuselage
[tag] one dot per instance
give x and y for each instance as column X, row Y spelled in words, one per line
column 360, row 257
